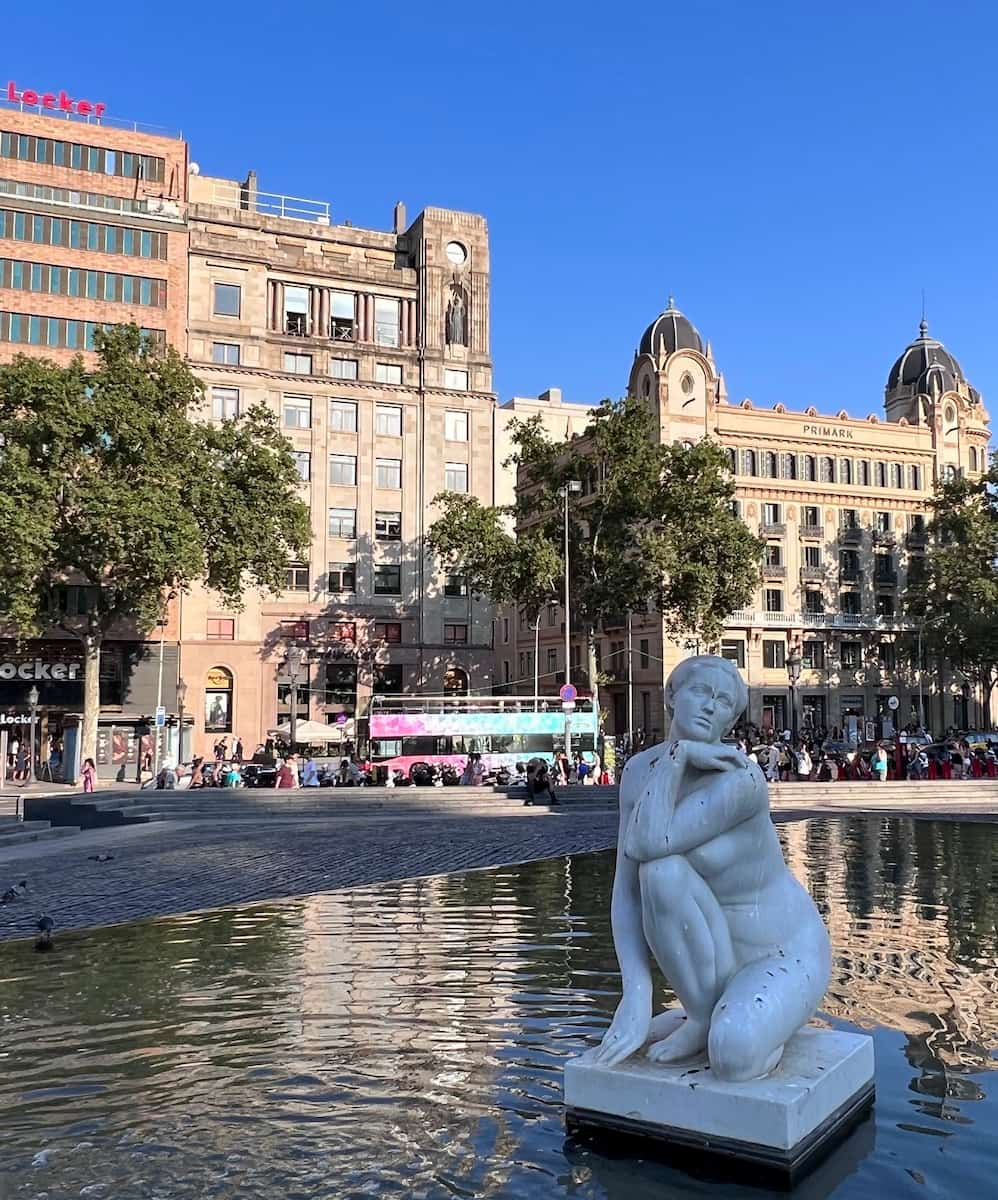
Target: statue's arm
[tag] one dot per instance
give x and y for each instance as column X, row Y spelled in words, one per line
column 648, row 832
column 735, row 795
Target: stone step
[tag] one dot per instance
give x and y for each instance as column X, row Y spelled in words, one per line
column 12, row 828
column 38, row 835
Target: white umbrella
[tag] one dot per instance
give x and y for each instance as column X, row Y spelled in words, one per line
column 309, row 731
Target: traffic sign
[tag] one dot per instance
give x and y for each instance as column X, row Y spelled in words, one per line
column 568, row 692
column 893, row 703
column 160, row 716
column 341, row 718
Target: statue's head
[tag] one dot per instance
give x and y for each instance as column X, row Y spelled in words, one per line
column 704, row 695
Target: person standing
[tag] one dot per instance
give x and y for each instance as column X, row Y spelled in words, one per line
column 804, row 765
column 285, row 776
column 237, row 753
column 310, row 774
column 879, row 763
column 89, row 775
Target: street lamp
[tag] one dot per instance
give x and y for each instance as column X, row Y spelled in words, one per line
column 181, row 697
column 33, row 704
column 297, row 658
column 794, row 661
column 571, row 488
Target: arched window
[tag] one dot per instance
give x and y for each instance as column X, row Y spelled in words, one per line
column 218, row 700
column 732, row 460
column 864, row 473
column 973, row 458
column 881, row 475
column 827, row 470
column 897, row 476
column 772, row 465
column 456, row 682
column 810, row 468
column 845, row 470
column 750, row 462
column 790, row 466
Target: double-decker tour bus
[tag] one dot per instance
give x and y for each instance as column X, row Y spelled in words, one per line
column 504, row 730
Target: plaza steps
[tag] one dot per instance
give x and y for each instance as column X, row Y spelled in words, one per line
column 13, row 832
column 951, row 797
column 94, row 811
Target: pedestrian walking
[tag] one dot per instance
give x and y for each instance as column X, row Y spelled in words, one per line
column 89, row 775
column 310, row 774
column 221, row 749
column 285, row 777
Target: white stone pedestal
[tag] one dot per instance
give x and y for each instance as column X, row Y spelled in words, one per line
column 783, row 1124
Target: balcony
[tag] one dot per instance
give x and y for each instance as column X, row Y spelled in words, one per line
column 883, row 537
column 812, row 574
column 773, row 528
column 830, row 620
column 850, row 534
column 812, row 531
column 917, row 537
column 886, row 579
column 849, row 574
column 774, row 571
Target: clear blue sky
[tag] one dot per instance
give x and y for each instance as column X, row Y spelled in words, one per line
column 794, row 173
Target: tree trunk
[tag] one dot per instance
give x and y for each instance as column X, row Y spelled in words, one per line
column 92, row 643
column 593, row 681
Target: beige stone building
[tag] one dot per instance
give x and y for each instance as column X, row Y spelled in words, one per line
column 841, row 503
column 373, row 346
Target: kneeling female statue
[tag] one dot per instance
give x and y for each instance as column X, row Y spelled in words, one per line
column 701, row 887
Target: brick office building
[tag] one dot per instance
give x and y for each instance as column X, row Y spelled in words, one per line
column 92, row 232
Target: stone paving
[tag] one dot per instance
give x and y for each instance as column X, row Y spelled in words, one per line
column 173, row 868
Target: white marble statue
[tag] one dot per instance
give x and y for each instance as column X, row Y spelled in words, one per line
column 701, row 887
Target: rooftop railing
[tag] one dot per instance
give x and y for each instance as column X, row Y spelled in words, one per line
column 271, row 204
column 103, row 121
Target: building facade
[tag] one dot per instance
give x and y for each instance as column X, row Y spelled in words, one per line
column 373, row 348
column 92, row 233
column 842, row 506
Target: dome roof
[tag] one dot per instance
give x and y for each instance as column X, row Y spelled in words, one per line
column 926, row 365
column 669, row 332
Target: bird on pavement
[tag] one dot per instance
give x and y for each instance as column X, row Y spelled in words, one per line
column 45, row 926
column 101, row 858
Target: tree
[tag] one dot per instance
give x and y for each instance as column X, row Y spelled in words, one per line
column 954, row 600
column 107, row 484
column 653, row 527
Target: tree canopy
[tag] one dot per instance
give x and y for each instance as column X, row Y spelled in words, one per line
column 109, row 483
column 653, row 528
column 955, row 598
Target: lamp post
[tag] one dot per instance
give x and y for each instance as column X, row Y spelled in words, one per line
column 181, row 697
column 296, row 659
column 33, row 704
column 794, row 660
column 571, row 488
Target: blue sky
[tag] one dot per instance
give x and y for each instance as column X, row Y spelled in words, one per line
column 794, row 173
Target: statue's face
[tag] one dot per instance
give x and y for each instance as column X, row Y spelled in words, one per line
column 704, row 708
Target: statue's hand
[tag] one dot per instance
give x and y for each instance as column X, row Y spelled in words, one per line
column 629, row 1030
column 709, row 756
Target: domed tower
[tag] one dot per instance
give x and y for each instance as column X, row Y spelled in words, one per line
column 674, row 372
column 927, row 386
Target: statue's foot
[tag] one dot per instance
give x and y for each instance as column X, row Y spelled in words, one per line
column 689, row 1041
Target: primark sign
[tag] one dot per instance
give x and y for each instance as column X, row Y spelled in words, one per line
column 37, row 671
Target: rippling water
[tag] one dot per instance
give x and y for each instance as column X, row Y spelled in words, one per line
column 408, row 1039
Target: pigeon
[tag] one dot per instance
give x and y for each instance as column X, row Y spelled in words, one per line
column 17, row 892
column 102, row 858
column 45, row 926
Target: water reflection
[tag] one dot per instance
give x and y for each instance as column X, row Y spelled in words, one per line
column 407, row 1039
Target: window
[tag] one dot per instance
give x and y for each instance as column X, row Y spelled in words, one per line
column 748, row 461
column 918, row 523
column 774, row 554
column 734, row 651
column 814, row 601
column 388, row 631
column 845, row 470
column 812, row 557
column 296, row 579
column 456, row 426
column 342, row 322
column 505, row 630
column 915, row 474
column 770, row 464
column 505, row 670
column 386, row 322
column 771, row 514
column 296, row 306
column 457, row 381
column 885, row 656
column 851, row 655
column 387, row 373
column 387, row 579
column 552, row 658
column 388, row 473
column 849, row 603
column 810, row 468
column 880, row 474
column 303, row 461
column 644, row 657
column 884, row 567
column 341, row 684
column 850, row 518
column 552, row 614
column 345, row 632
column 882, row 522
column 897, row 476
column 388, row 526
column 813, row 656
column 774, row 600
column 343, row 522
column 456, row 634
column 226, row 353
column 343, row 368
column 885, row 605
column 228, row 300
column 774, row 654
column 790, row 466
column 864, row 473
column 341, row 577
column 218, row 700
column 221, row 629
column 297, row 364
column 342, row 416
column 388, row 679
column 224, row 403
column 811, row 516
column 343, row 469
column 297, row 412
column 456, row 477
column 827, row 470
column 455, row 585
column 388, row 420
column 523, row 665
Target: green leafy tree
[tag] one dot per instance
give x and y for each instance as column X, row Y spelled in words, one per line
column 954, row 599
column 108, row 484
column 653, row 527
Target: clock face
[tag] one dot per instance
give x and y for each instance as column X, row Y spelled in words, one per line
column 456, row 254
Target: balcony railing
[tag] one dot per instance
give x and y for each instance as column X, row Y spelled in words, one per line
column 812, row 574
column 917, row 537
column 773, row 528
column 783, row 620
column 227, row 194
column 774, row 570
column 812, row 531
column 849, row 574
column 850, row 534
column 886, row 579
column 883, row 537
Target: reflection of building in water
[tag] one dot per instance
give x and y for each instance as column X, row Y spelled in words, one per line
column 912, row 921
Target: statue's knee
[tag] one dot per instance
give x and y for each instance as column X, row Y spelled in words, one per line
column 666, row 874
column 735, row 1048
